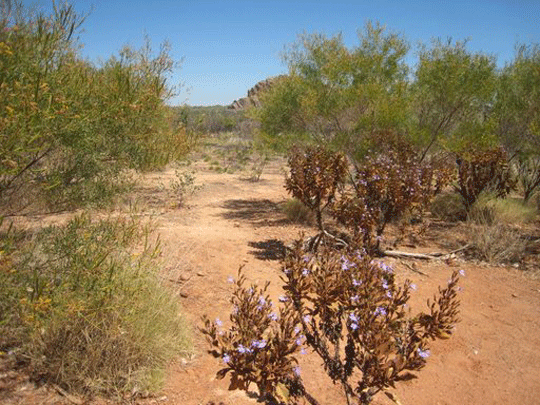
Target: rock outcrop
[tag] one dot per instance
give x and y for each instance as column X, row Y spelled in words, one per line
column 253, row 96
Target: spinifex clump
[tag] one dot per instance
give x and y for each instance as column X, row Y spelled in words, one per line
column 345, row 306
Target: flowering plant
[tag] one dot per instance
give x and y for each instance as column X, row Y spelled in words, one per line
column 348, row 309
column 388, row 184
column 356, row 318
column 260, row 344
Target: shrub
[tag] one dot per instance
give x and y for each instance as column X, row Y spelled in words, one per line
column 87, row 309
column 260, row 344
column 448, row 206
column 348, row 309
column 482, row 171
column 69, row 128
column 315, row 175
column 496, row 242
column 507, row 211
column 390, row 182
column 493, row 229
column 297, row 212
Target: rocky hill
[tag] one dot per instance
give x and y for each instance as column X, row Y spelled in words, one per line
column 252, row 99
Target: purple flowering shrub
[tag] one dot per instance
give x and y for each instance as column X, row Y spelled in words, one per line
column 315, row 175
column 391, row 180
column 348, row 309
column 260, row 344
column 355, row 317
column 387, row 185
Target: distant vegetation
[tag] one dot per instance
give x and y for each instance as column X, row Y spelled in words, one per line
column 455, row 104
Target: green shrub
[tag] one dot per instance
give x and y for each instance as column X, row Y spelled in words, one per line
column 297, row 212
column 86, row 308
column 448, row 207
column 68, row 127
column 507, row 211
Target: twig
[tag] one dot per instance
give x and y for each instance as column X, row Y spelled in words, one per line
column 411, row 255
column 414, row 269
column 423, row 256
column 69, row 397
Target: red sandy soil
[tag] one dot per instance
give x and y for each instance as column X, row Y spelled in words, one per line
column 493, row 358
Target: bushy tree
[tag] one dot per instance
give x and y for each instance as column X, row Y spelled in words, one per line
column 518, row 115
column 68, row 128
column 334, row 94
column 453, row 94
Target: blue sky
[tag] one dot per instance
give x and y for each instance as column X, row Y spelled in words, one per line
column 228, row 46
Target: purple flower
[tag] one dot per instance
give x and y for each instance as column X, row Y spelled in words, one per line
column 462, row 273
column 306, row 318
column 353, row 317
column 354, row 326
column 262, row 301
column 380, row 311
column 299, row 340
column 218, row 322
column 423, row 353
column 305, row 272
column 283, row 298
column 297, row 371
column 303, row 351
column 356, row 283
column 230, row 279
column 305, row 258
column 385, row 267
column 226, row 358
column 355, row 298
column 241, row 349
column 297, row 330
column 287, row 271
column 273, row 316
column 413, row 287
column 259, row 344
column 346, row 264
column 385, row 285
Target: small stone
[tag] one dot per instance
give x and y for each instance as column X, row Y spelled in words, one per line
column 201, row 274
column 184, row 277
column 237, row 224
column 184, row 294
column 514, row 295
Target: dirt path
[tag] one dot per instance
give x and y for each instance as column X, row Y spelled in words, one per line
column 492, row 359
